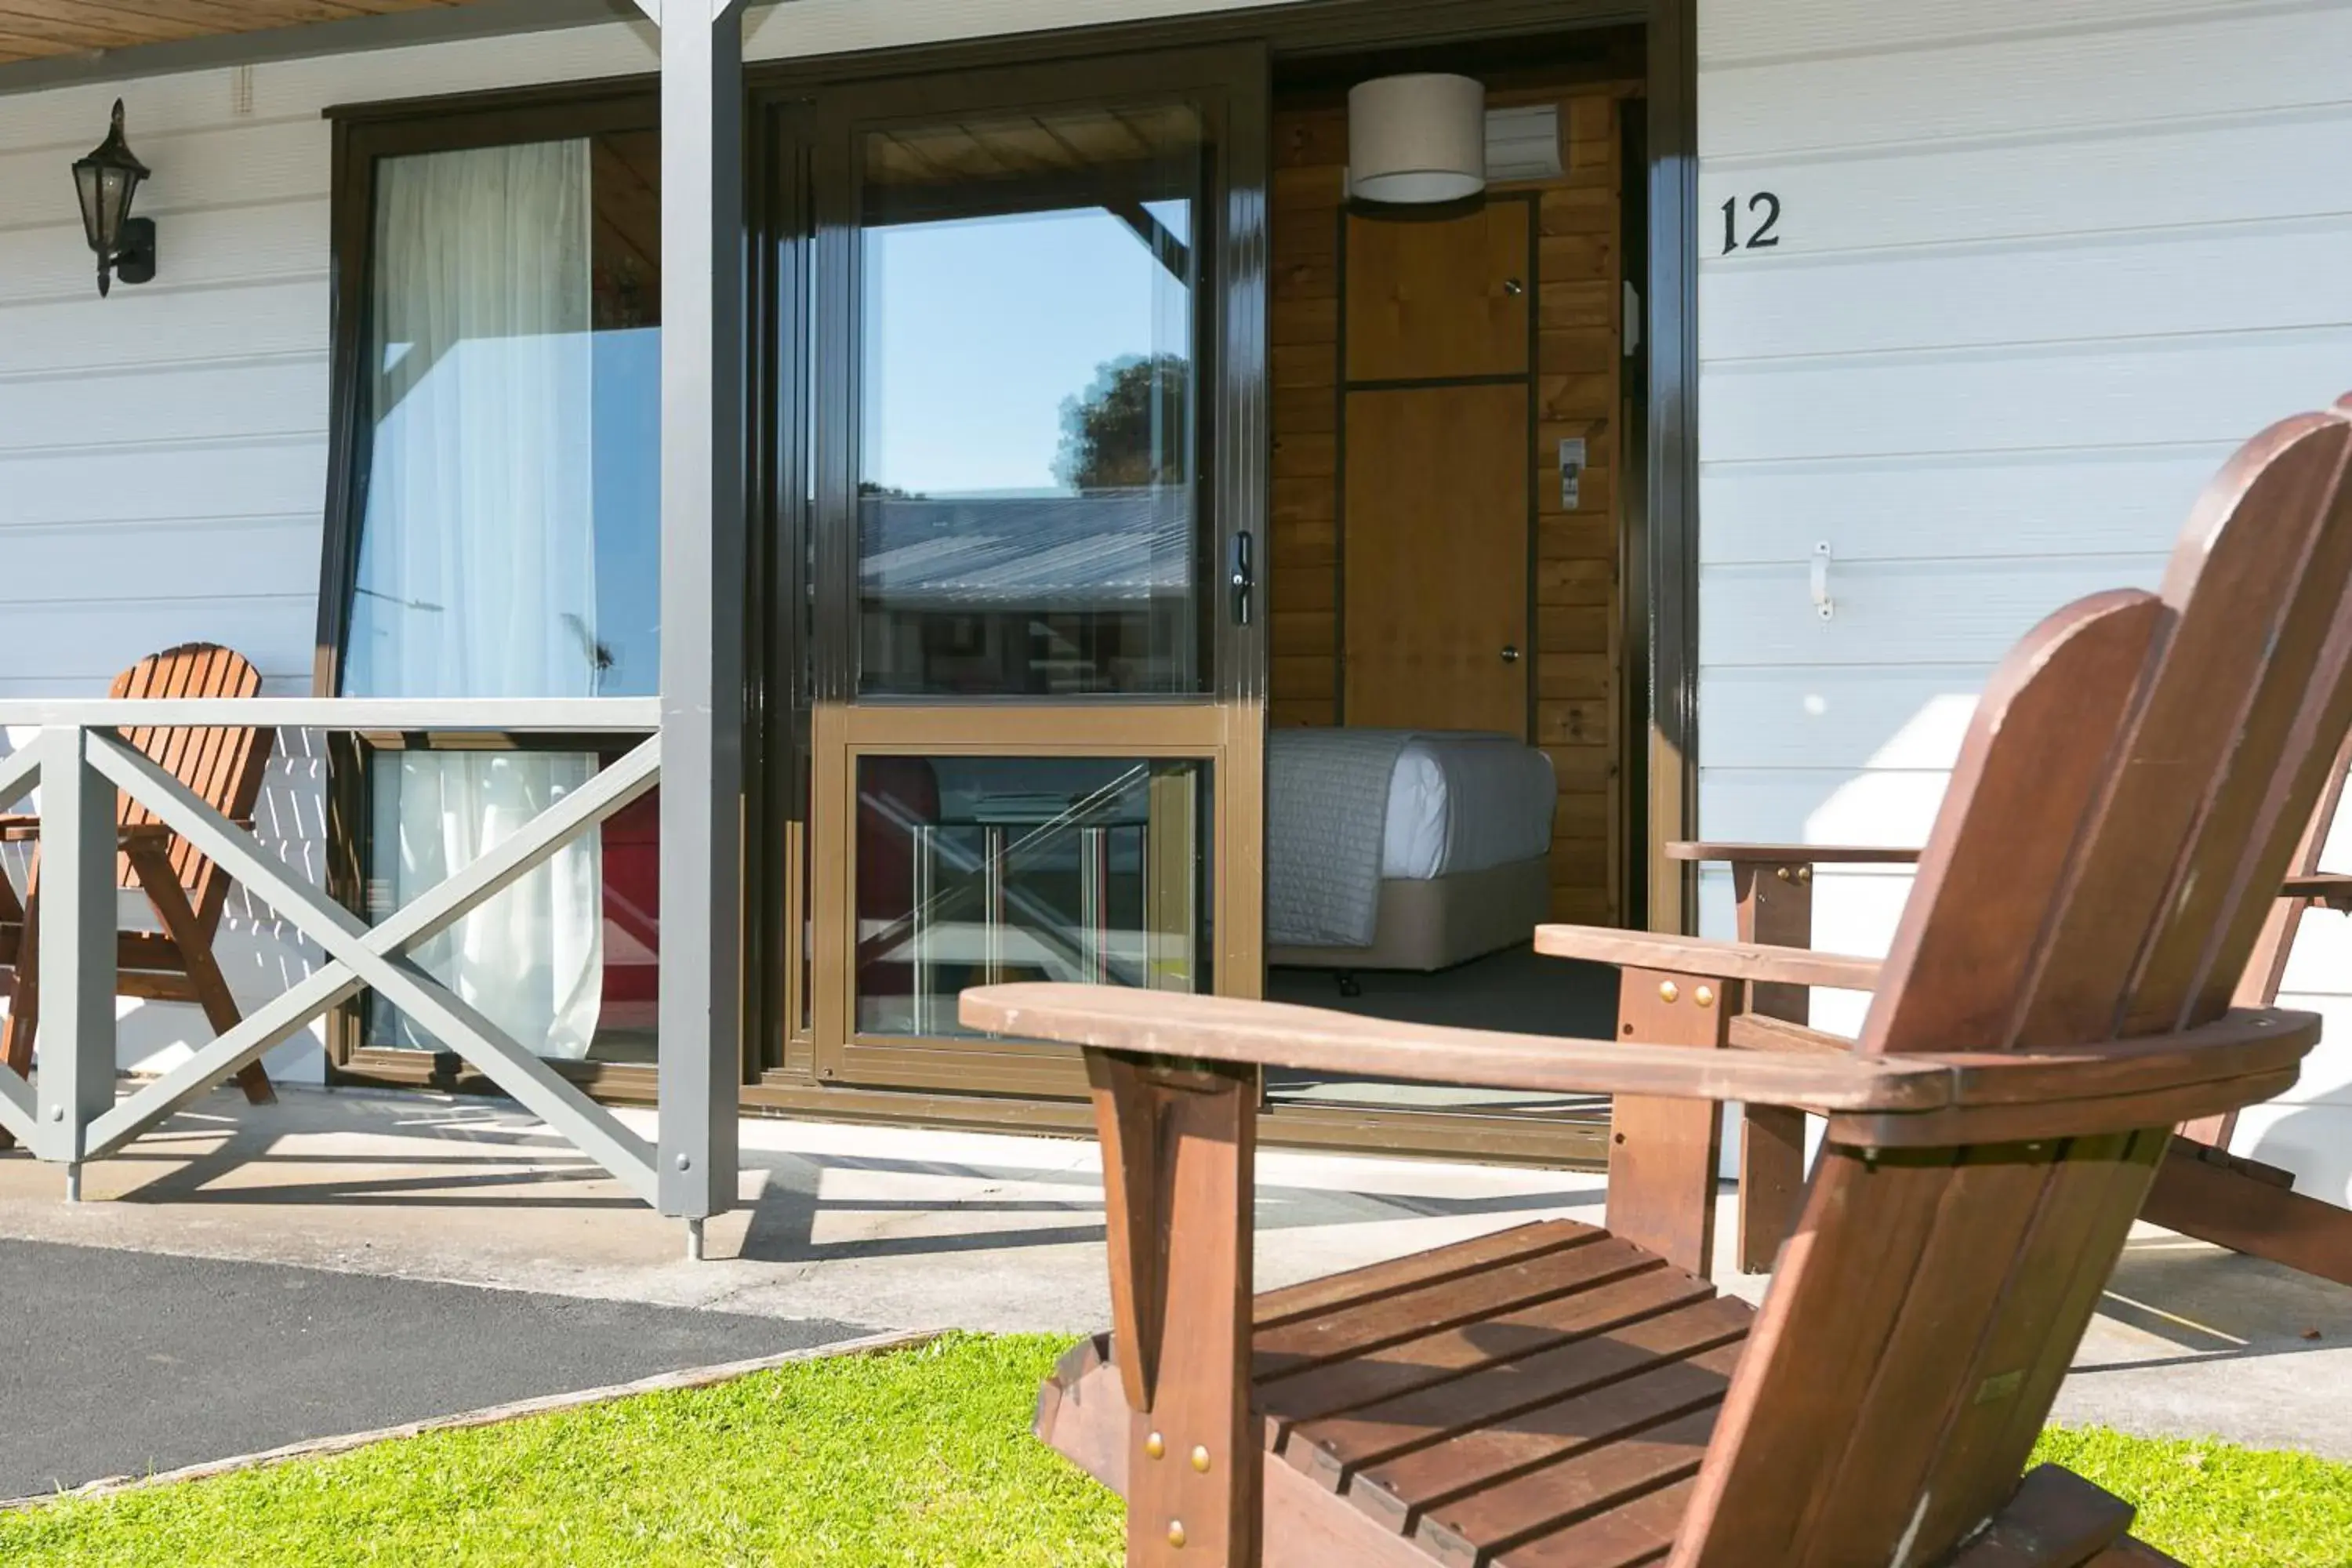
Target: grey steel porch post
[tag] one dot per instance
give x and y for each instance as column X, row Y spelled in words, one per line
column 702, row 606
column 76, row 960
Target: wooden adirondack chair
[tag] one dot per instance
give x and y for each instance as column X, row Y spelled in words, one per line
column 2202, row 1190
column 2241, row 1203
column 186, row 889
column 2058, row 997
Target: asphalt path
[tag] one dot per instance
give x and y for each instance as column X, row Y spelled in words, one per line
column 124, row 1364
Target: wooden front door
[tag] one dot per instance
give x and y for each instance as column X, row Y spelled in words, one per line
column 1438, row 431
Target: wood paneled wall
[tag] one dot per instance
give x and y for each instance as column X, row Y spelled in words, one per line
column 1579, row 655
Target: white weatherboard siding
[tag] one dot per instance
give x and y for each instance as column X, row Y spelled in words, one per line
column 2041, row 267
column 164, row 452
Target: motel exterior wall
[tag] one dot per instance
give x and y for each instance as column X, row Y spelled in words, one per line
column 2042, row 267
column 2039, row 269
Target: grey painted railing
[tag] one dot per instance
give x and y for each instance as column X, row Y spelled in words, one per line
column 70, row 1112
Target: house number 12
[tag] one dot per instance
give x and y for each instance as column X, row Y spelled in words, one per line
column 1761, row 237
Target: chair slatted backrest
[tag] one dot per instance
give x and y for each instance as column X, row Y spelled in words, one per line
column 224, row 766
column 2135, row 783
column 2266, row 969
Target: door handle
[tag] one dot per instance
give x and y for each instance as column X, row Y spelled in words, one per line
column 1510, row 653
column 1244, row 578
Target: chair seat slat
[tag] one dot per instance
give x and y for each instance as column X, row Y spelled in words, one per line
column 1621, row 1283
column 1299, row 1346
column 1518, row 1243
column 1639, row 1533
column 1538, row 1514
column 1511, row 1395
column 1466, row 1488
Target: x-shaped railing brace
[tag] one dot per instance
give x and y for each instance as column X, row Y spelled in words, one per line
column 361, row 957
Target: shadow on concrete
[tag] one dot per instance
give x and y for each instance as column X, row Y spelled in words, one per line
column 464, row 1158
column 2214, row 1305
column 786, row 1218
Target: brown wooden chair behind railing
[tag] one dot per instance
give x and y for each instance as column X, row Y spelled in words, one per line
column 186, row 890
column 2059, row 996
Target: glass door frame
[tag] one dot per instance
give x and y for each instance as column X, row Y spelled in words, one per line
column 1223, row 726
column 1230, row 739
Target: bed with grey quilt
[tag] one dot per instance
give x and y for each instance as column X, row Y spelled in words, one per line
column 1405, row 849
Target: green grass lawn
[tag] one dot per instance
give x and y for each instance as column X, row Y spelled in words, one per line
column 922, row 1457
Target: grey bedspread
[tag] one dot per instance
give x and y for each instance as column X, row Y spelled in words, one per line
column 1327, row 825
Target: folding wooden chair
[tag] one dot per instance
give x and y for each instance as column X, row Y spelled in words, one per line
column 186, row 890
column 2058, row 997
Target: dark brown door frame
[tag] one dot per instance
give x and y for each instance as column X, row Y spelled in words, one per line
column 1671, row 305
column 362, row 137
column 1227, row 86
column 1665, row 578
column 1668, row 563
column 1665, row 574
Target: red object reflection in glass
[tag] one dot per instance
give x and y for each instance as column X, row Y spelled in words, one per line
column 632, row 916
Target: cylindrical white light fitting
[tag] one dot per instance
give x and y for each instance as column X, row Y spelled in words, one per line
column 1417, row 139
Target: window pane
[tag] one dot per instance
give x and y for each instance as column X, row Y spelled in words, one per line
column 1028, row 507
column 568, row 959
column 509, row 546
column 510, row 536
column 973, row 871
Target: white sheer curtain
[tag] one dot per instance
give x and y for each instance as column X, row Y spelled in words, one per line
column 478, row 559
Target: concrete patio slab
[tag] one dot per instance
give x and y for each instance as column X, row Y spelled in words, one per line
column 899, row 1228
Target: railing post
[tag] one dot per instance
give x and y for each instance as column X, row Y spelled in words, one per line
column 703, row 574
column 75, row 1085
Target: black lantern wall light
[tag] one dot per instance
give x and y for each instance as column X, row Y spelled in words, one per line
column 107, row 182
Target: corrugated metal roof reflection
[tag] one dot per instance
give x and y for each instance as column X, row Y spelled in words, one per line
column 1044, row 552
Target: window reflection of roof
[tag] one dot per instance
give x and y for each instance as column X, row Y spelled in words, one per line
column 1039, row 551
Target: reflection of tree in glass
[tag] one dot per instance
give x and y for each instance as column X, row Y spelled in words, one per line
column 1127, row 430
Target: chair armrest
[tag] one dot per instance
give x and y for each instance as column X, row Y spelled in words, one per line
column 1755, row 1032
column 1794, row 854
column 2333, row 889
column 1720, row 959
column 2322, row 888
column 1265, row 1034
column 16, row 828
column 1945, row 1100
column 2242, row 1058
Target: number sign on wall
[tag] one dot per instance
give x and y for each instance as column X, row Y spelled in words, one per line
column 1763, row 214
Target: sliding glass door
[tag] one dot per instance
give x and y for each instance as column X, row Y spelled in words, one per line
column 495, row 533
column 1036, row 648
